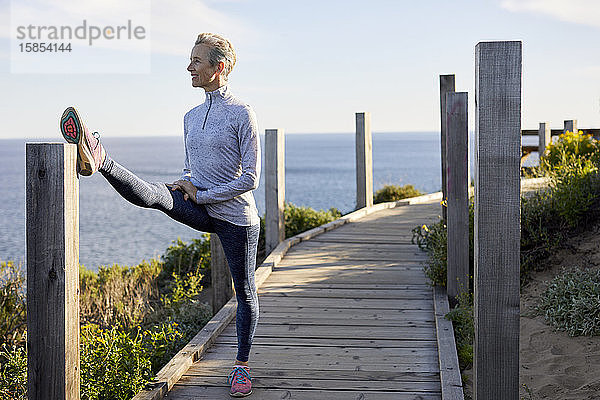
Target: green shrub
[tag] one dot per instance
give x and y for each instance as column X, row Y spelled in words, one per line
column 300, row 219
column 13, row 372
column 182, row 308
column 182, row 258
column 462, row 321
column 571, row 303
column 550, row 216
column 115, row 364
column 119, row 294
column 575, row 187
column 434, row 240
column 13, row 308
column 569, row 144
column 134, row 319
column 395, row 193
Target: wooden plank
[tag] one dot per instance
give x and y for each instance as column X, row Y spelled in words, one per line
column 446, row 86
column 318, row 384
column 362, row 285
column 221, row 281
column 361, row 256
column 356, row 353
column 349, row 277
column 274, row 188
column 322, row 362
column 418, row 304
column 395, row 376
column 355, row 245
column 231, row 338
column 457, row 181
column 544, row 137
column 364, row 161
column 312, row 263
column 451, row 381
column 52, row 220
column 497, row 225
column 331, row 331
column 365, row 234
column 214, row 392
column 570, row 125
column 347, row 323
column 362, row 240
column 322, row 319
column 555, row 132
column 270, row 310
column 348, row 293
column 350, row 366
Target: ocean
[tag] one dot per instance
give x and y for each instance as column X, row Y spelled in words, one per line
column 319, row 174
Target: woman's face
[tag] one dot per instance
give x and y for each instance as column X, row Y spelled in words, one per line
column 203, row 74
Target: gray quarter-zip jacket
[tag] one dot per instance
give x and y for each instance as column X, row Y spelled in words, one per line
column 222, row 156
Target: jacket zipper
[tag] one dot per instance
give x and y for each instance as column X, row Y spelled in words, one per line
column 207, row 111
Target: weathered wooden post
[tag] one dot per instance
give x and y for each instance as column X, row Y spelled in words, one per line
column 457, row 181
column 545, row 137
column 364, row 161
column 570, row 125
column 446, row 86
column 274, row 188
column 497, row 219
column 52, row 199
column 221, row 282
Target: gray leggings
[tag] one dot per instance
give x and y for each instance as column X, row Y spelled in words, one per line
column 239, row 242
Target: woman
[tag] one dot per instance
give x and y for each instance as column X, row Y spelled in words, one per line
column 214, row 193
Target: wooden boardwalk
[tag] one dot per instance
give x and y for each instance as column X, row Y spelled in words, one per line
column 345, row 315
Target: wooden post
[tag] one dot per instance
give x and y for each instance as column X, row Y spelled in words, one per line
column 457, row 179
column 545, row 137
column 274, row 188
column 52, row 199
column 222, row 285
column 364, row 161
column 570, row 125
column 497, row 219
column 446, row 86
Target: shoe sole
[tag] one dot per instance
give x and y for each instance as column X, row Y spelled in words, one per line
column 70, row 125
column 72, row 130
column 238, row 394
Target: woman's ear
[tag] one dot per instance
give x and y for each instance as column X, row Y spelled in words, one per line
column 220, row 67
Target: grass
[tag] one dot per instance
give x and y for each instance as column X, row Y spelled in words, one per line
column 571, row 303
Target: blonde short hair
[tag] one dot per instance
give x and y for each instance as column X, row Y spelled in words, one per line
column 220, row 49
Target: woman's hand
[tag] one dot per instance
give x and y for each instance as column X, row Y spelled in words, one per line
column 188, row 189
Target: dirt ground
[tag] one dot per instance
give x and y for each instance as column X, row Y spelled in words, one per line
column 553, row 364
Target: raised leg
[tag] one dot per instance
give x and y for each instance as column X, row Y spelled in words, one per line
column 156, row 195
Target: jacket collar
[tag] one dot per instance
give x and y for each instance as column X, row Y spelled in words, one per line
column 221, row 92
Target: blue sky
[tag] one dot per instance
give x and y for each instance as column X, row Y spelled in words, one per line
column 308, row 66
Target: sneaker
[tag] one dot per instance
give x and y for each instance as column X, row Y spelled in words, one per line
column 240, row 381
column 91, row 153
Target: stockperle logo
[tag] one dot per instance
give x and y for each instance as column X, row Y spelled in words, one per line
column 87, row 36
column 85, row 31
